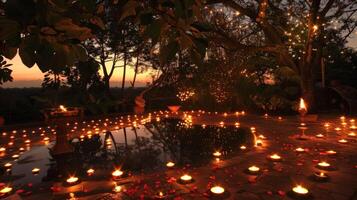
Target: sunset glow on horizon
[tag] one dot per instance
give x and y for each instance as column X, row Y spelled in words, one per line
column 32, row 77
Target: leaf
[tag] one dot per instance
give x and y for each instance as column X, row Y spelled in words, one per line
column 73, row 30
column 129, row 9
column 9, row 52
column 8, row 28
column 168, row 52
column 153, row 31
column 26, row 57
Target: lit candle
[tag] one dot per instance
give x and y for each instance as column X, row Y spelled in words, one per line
column 300, row 150
column 6, row 190
column 117, row 174
column 2, row 149
column 217, row 190
column 320, row 176
column 300, row 190
column 275, row 157
column 15, row 156
column 352, row 134
column 243, row 147
column 35, row 170
column 258, row 143
column 302, row 107
column 338, row 129
column 72, row 180
column 331, row 152
column 343, row 141
column 185, row 179
column 217, row 154
column 8, row 165
column 90, row 172
column 117, row 188
column 170, row 164
column 320, row 135
column 323, row 165
column 253, row 169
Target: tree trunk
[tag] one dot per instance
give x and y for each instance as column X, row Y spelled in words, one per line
column 124, row 74
column 307, row 87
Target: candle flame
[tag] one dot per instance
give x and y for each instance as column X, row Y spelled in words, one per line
column 63, row 108
column 302, row 105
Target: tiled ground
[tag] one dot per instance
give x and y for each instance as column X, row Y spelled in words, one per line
column 274, row 182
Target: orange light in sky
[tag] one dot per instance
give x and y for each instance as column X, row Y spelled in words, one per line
column 32, row 77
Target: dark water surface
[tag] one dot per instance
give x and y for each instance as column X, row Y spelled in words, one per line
column 142, row 149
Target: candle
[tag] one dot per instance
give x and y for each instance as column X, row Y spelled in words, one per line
column 72, row 180
column 320, row 176
column 6, row 190
column 331, row 152
column 117, row 174
column 117, row 188
column 253, row 169
column 185, row 179
column 320, row 135
column 217, row 190
column 343, row 141
column 15, row 156
column 323, row 165
column 8, row 165
column 302, row 107
column 2, row 149
column 35, row 170
column 275, row 157
column 300, row 150
column 90, row 172
column 352, row 134
column 243, row 147
column 217, row 154
column 300, row 190
column 258, row 143
column 170, row 164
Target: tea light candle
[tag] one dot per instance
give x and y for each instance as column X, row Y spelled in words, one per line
column 117, row 188
column 323, row 165
column 117, row 174
column 8, row 165
column 320, row 135
column 170, row 164
column 331, row 152
column 6, row 190
column 243, row 147
column 217, row 190
column 2, row 149
column 253, row 169
column 275, row 157
column 185, row 179
column 321, row 176
column 300, row 190
column 343, row 141
column 35, row 170
column 217, row 154
column 72, row 180
column 258, row 143
column 15, row 156
column 90, row 172
column 300, row 150
column 352, row 134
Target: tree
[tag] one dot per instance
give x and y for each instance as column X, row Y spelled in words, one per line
column 47, row 33
column 5, row 72
column 293, row 31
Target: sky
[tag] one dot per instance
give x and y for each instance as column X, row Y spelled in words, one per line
column 32, row 77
